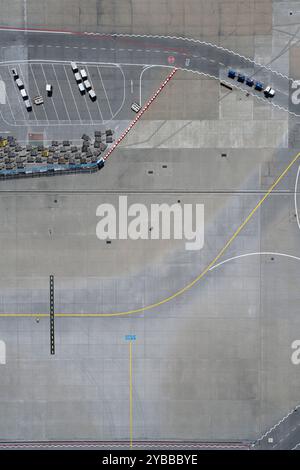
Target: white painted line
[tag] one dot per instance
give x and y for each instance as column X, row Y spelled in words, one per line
column 97, row 100
column 7, row 100
column 70, row 86
column 254, row 254
column 61, row 92
column 99, row 73
column 295, row 198
column 54, row 107
column 38, row 91
column 22, row 74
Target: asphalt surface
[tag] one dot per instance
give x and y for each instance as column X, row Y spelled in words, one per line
column 204, row 365
column 42, row 47
column 285, row 435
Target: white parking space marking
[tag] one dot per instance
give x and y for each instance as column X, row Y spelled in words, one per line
column 70, row 86
column 97, row 101
column 7, row 101
column 53, row 67
column 52, row 102
column 26, row 84
column 2, row 92
column 65, row 105
column 42, row 107
column 16, row 96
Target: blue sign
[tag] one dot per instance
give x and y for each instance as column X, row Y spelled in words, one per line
column 130, row 337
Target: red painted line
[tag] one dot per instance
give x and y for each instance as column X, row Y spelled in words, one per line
column 141, row 112
column 93, row 35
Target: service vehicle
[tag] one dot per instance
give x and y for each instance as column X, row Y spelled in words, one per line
column 77, row 77
column 92, row 95
column 15, row 74
column 87, row 85
column 74, row 67
column 269, row 92
column 28, row 105
column 38, row 100
column 24, row 94
column 83, row 74
column 49, row 89
column 19, row 83
column 81, row 88
column 135, row 107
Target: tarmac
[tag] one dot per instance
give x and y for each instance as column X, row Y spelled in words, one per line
column 213, row 364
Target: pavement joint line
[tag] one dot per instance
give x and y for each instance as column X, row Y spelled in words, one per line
column 190, row 284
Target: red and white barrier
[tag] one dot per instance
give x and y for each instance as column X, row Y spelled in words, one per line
column 140, row 114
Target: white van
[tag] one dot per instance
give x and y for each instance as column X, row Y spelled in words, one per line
column 19, row 83
column 92, row 95
column 81, row 88
column 24, row 94
column 77, row 77
column 49, row 89
column 28, row 105
column 74, row 67
column 87, row 85
column 83, row 74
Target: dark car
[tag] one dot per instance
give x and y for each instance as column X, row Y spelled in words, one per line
column 231, row 74
column 259, row 86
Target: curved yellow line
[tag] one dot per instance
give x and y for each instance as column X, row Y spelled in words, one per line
column 183, row 289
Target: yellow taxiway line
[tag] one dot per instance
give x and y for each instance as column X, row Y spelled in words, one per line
column 186, row 287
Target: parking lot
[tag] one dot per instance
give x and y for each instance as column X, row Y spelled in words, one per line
column 66, row 105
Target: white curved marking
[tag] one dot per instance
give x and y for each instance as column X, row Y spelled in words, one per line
column 141, row 75
column 295, row 197
column 255, row 254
